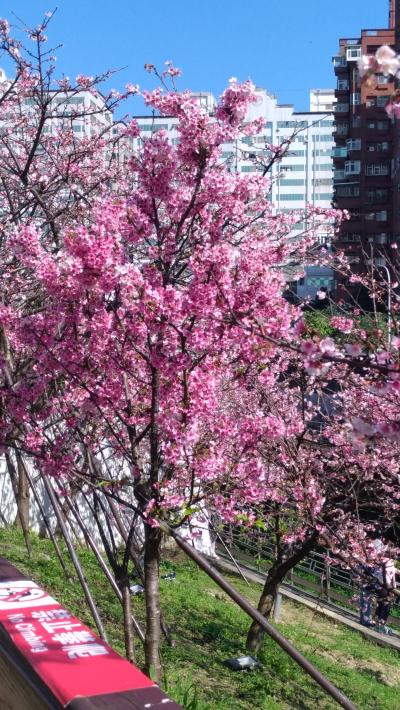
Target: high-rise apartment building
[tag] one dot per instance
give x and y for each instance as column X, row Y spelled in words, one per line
column 82, row 111
column 365, row 171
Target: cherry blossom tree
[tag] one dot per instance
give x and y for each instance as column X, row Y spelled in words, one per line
column 59, row 155
column 132, row 320
column 148, row 351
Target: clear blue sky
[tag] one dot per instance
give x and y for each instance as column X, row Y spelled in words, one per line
column 283, row 45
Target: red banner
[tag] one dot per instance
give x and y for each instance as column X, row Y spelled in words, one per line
column 68, row 657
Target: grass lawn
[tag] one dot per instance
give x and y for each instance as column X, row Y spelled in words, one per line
column 208, row 628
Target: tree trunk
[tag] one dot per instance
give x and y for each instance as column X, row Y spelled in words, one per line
column 276, row 574
column 152, row 592
column 23, row 496
column 128, row 629
column 21, row 511
column 265, row 606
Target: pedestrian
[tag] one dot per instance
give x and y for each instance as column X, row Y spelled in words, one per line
column 371, row 585
column 385, row 597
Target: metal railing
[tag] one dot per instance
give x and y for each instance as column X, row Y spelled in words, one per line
column 316, row 575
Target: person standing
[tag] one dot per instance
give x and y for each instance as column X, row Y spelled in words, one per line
column 385, row 597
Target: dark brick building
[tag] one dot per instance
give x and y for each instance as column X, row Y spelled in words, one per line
column 366, row 167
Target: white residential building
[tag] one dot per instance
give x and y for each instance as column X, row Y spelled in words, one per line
column 83, row 111
column 305, row 175
column 322, row 99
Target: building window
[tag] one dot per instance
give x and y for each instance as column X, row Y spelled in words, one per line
column 353, row 144
column 382, row 169
column 352, row 167
column 153, row 127
column 351, row 237
column 343, row 84
column 293, row 198
column 293, row 168
column 382, row 125
column 353, row 52
column 342, row 129
column 382, row 147
column 378, row 147
column 322, row 181
column 370, row 101
column 381, row 101
column 291, row 183
column 71, row 100
column 341, row 108
column 377, row 195
column 356, row 121
column 382, row 79
column 319, row 281
column 339, row 61
column 356, row 98
column 371, row 125
column 348, row 190
column 381, row 238
column 381, row 216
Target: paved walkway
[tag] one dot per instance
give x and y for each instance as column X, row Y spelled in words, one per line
column 343, row 616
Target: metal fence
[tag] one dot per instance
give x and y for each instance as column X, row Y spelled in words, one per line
column 317, row 575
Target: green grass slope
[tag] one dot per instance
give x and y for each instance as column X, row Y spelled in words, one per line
column 208, row 628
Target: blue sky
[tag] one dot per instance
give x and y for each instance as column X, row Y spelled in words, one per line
column 283, row 45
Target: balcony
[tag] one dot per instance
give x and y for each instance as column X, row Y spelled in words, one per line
column 352, row 167
column 341, row 129
column 338, row 175
column 339, row 62
column 353, row 144
column 339, row 152
column 347, row 190
column 341, row 108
